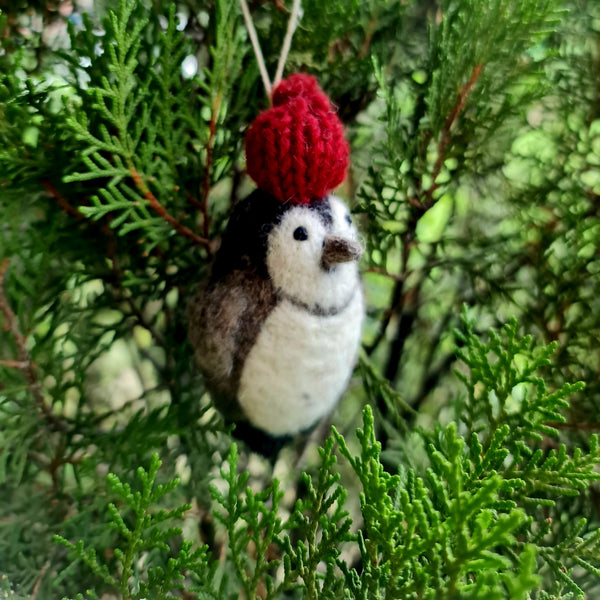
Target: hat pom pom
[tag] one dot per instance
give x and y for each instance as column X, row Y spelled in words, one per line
column 305, row 86
column 296, row 150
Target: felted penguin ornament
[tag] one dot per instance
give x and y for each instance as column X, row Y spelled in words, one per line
column 277, row 325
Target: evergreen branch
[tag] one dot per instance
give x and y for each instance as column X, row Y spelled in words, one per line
column 408, row 520
column 62, row 202
column 238, row 539
column 252, row 526
column 579, row 426
column 112, row 254
column 38, row 581
column 146, row 534
column 13, row 364
column 446, row 137
column 24, row 362
column 206, row 179
column 398, row 277
column 117, row 137
column 320, row 524
column 162, row 212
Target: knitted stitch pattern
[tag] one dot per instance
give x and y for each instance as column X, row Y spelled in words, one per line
column 296, row 150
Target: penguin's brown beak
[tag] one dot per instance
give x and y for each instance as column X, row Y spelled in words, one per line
column 339, row 250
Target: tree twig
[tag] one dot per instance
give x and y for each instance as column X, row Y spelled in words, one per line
column 38, row 581
column 446, row 138
column 13, row 364
column 193, row 201
column 366, row 45
column 164, row 214
column 212, row 132
column 60, row 199
column 583, row 426
column 24, row 362
column 400, row 277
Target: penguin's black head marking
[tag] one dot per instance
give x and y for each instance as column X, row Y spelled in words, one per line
column 323, row 209
column 244, row 242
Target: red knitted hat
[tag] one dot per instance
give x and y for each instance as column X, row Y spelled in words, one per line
column 296, row 150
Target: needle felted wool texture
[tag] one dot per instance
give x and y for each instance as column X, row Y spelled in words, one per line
column 276, row 326
column 303, row 357
column 274, row 331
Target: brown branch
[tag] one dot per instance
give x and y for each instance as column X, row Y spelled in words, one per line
column 10, row 320
column 387, row 318
column 38, row 581
column 407, row 316
column 13, row 364
column 416, row 203
column 400, row 277
column 397, row 301
column 366, row 45
column 212, row 132
column 446, row 138
column 112, row 255
column 193, row 201
column 62, row 202
column 24, row 363
column 153, row 201
column 280, row 6
column 162, row 212
column 583, row 426
column 111, row 250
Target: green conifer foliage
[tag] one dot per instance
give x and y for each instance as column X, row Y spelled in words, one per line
column 464, row 459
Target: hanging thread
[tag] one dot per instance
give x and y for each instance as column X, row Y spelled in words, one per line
column 285, row 48
column 287, row 42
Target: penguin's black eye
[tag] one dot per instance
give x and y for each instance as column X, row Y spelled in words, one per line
column 349, row 219
column 300, row 234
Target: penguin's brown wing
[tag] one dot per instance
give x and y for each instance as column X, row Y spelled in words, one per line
column 225, row 317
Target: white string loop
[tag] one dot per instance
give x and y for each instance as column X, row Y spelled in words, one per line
column 285, row 48
column 257, row 51
column 287, row 42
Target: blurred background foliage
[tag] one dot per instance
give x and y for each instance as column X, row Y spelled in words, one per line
column 475, row 179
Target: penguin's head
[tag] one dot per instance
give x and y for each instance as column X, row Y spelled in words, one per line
column 303, row 237
column 312, row 254
column 308, row 251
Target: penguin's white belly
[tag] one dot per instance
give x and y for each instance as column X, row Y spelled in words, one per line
column 299, row 366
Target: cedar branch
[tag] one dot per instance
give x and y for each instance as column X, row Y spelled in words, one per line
column 399, row 300
column 212, row 132
column 408, row 237
column 162, row 212
column 38, row 581
column 399, row 277
column 62, row 202
column 13, row 364
column 582, row 426
column 446, row 138
column 112, row 254
column 24, row 362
